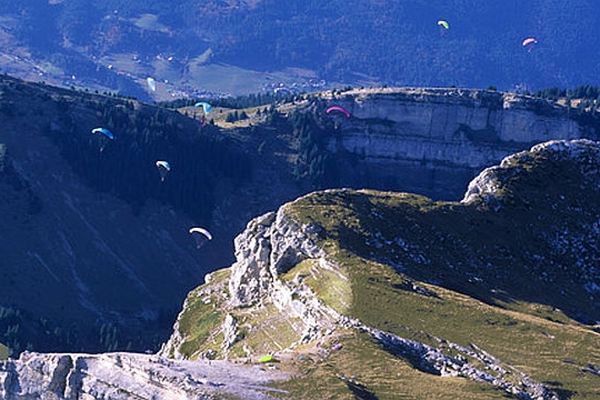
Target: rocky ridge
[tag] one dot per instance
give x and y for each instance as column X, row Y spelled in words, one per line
column 266, row 251
column 485, row 186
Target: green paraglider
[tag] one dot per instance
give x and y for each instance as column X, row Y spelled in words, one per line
column 444, row 24
column 267, row 359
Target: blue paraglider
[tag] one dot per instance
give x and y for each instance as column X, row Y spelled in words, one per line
column 105, row 132
column 104, row 136
column 206, row 107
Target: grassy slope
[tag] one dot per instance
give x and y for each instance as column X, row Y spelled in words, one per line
column 4, row 352
column 517, row 320
column 201, row 319
column 548, row 351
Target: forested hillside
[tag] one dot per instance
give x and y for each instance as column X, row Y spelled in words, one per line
column 88, row 226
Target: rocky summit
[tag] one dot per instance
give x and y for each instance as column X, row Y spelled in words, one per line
column 366, row 294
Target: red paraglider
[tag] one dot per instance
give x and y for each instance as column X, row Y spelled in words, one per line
column 339, row 109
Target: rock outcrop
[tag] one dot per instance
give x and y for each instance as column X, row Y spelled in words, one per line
column 269, row 246
column 585, row 153
column 123, row 376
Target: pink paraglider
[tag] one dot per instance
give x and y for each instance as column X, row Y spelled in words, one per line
column 339, row 109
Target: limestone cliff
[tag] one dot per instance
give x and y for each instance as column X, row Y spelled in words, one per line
column 432, row 141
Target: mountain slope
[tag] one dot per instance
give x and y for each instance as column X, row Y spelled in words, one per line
column 378, row 292
column 94, row 216
column 350, row 295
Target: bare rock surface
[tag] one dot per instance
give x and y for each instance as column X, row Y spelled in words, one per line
column 129, row 376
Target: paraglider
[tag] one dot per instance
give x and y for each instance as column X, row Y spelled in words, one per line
column 529, row 43
column 339, row 109
column 104, row 135
column 105, row 132
column 267, row 359
column 163, row 168
column 151, row 84
column 206, row 107
column 201, row 236
column 444, row 24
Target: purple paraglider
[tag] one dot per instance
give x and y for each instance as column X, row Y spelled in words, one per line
column 339, row 109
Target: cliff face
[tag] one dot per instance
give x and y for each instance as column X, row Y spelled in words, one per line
column 432, row 141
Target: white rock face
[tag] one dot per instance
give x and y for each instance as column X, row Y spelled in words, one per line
column 230, row 335
column 121, row 376
column 470, row 128
column 270, row 245
column 251, row 275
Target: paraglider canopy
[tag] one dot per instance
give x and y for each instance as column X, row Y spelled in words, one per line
column 529, row 41
column 151, row 83
column 105, row 132
column 163, row 164
column 267, row 359
column 339, row 109
column 444, row 24
column 200, row 235
column 206, row 107
column 163, row 168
